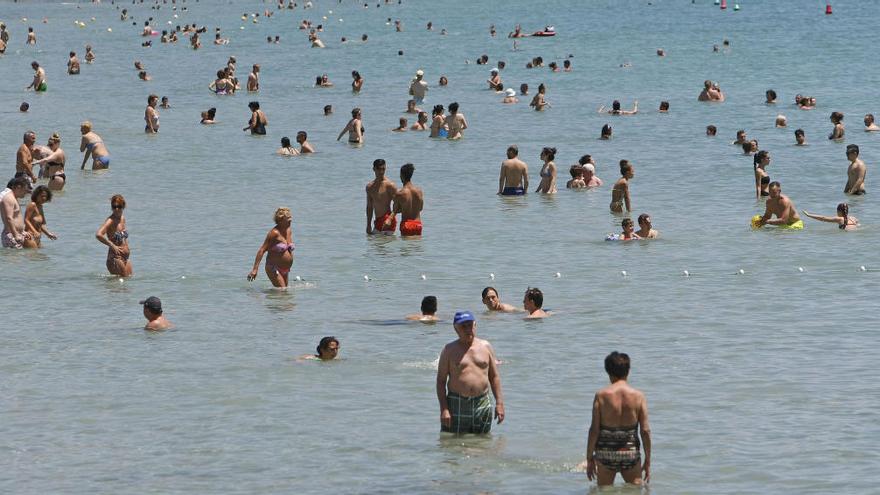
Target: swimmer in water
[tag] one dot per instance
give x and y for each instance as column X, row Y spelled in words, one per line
column 253, row 82
column 664, row 107
column 800, row 138
column 429, row 311
column 782, row 207
column 39, row 80
column 305, row 147
column 380, row 193
column 112, row 234
column 538, row 101
column 711, row 130
column 93, row 146
column 615, row 109
column 438, row 122
column 411, row 107
column 327, row 350
column 533, row 300
column 208, row 116
column 771, row 97
column 606, row 132
column 408, row 201
column 354, row 128
column 509, row 96
column 495, row 80
column 258, row 121
column 710, row 92
column 357, row 82
column 35, row 219
column 548, row 172
column 455, row 122
column 628, row 233
column 855, row 173
column 90, row 54
column 151, row 115
column 418, row 88
column 577, row 178
column 402, row 127
column 620, row 191
column 286, row 149
column 513, row 180
column 588, row 167
column 422, row 122
column 54, row 164
column 781, row 121
column 750, row 147
column 156, row 321
column 73, row 64
column 838, row 131
column 870, row 126
column 740, row 138
column 762, row 178
column 645, row 229
column 843, row 219
column 278, row 246
column 492, row 300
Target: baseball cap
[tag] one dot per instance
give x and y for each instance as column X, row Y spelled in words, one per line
column 463, row 317
column 590, row 167
column 152, row 303
column 420, row 72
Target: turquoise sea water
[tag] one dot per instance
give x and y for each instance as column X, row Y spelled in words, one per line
column 757, row 383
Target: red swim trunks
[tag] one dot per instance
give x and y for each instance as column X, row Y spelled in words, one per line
column 411, row 227
column 379, row 224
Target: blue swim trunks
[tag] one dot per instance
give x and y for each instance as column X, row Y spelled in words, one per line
column 513, row 191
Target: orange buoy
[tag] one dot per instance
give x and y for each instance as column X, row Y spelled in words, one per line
column 827, row 9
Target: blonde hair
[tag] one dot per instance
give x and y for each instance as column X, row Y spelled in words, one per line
column 86, row 125
column 55, row 138
column 282, row 213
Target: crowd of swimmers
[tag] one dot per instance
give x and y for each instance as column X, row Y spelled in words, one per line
column 467, row 367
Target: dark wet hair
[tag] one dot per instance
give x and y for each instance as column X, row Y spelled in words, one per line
column 40, row 190
column 627, row 222
column 799, row 132
column 406, row 172
column 328, row 109
column 771, row 95
column 355, row 111
column 617, row 365
column 550, row 152
column 606, row 130
column 852, row 147
column 711, row 129
column 759, row 157
column 18, row 182
column 773, row 184
column 303, row 134
column 429, row 305
column 356, row 75
column 285, row 141
column 254, row 105
column 836, row 116
column 566, row 63
column 221, row 73
column 378, row 162
column 535, row 295
column 512, row 149
column 842, row 207
column 585, row 159
column 438, row 110
column 325, row 343
column 542, row 88
column 212, row 112
column 664, row 105
column 615, row 106
column 486, row 292
column 643, row 217
column 318, row 80
column 453, row 107
column 625, row 166
column 576, row 170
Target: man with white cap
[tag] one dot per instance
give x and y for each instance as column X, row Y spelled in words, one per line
column 465, row 372
column 153, row 313
column 510, row 96
column 589, row 167
column 495, row 80
column 418, row 87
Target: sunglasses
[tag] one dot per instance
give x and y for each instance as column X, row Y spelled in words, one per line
column 118, row 207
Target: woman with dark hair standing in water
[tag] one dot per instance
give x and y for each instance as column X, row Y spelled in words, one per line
column 548, row 172
column 762, row 178
column 258, row 122
column 35, row 219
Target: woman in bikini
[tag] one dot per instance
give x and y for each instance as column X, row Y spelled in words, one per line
column 35, row 220
column 548, row 172
column 54, row 163
column 538, row 101
column 258, row 122
column 836, row 133
column 357, row 81
column 620, row 191
column 278, row 247
column 843, row 219
column 762, row 178
column 93, row 146
column 438, row 122
column 151, row 115
column 354, row 128
column 113, row 235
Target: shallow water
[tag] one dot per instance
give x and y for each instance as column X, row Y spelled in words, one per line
column 757, row 383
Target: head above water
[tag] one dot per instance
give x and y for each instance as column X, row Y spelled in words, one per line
column 429, row 305
column 617, row 365
column 406, row 172
column 852, row 150
column 512, row 151
column 282, row 215
column 535, row 297
column 328, row 348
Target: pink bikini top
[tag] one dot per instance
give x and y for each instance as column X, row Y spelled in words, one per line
column 281, row 247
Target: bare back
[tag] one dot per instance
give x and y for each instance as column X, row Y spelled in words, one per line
column 620, row 405
column 408, row 202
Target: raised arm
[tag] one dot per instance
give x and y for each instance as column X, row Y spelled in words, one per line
column 822, row 218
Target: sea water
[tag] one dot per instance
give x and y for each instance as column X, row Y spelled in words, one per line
column 763, row 382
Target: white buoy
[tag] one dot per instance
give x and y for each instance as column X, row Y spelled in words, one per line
column 183, row 277
column 241, row 27
column 491, row 276
column 329, row 11
column 424, row 277
column 298, row 278
column 741, row 271
column 367, row 278
column 862, row 268
column 109, row 30
column 623, row 273
column 801, row 269
column 325, row 17
column 686, row 273
column 121, row 280
column 558, row 275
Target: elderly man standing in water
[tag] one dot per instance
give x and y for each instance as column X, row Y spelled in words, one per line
column 620, row 416
column 466, row 371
